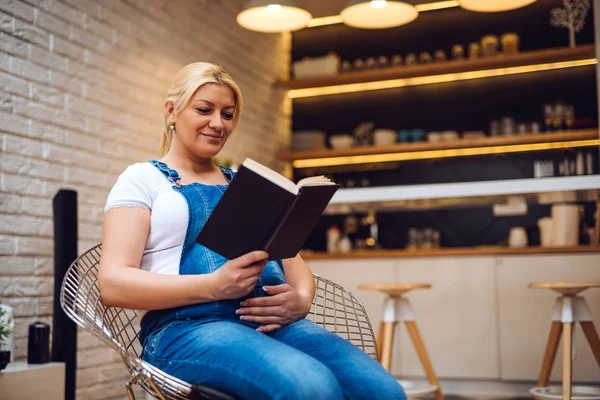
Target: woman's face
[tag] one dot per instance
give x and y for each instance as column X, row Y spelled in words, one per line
column 206, row 122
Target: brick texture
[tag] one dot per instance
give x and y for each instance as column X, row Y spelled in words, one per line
column 83, row 84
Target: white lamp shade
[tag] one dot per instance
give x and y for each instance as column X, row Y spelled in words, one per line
column 273, row 16
column 493, row 5
column 378, row 14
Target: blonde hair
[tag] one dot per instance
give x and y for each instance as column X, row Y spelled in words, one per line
column 187, row 81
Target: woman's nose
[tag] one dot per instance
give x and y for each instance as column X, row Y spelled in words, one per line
column 216, row 122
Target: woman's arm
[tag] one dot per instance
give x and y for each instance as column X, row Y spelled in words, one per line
column 300, row 277
column 123, row 284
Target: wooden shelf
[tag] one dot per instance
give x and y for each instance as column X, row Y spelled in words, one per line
column 449, row 252
column 447, row 67
column 533, row 138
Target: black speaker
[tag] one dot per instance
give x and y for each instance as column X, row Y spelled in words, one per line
column 64, row 337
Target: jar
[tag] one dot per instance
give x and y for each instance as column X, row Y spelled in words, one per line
column 510, row 43
column 439, row 55
column 346, row 66
column 371, row 63
column 507, row 126
column 358, row 64
column 396, row 60
column 425, row 58
column 458, row 52
column 410, row 59
column 489, row 45
column 383, row 62
column 412, row 239
column 427, row 239
column 333, row 239
column 494, row 128
column 474, row 50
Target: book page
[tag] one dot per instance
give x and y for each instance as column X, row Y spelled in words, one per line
column 320, row 180
column 271, row 175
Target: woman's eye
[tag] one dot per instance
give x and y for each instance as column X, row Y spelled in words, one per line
column 227, row 116
column 204, row 110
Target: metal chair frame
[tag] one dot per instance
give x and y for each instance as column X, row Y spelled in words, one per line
column 334, row 307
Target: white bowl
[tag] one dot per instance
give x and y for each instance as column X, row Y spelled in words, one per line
column 340, row 141
column 384, row 137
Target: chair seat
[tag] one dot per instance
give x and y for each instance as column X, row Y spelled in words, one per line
column 394, row 289
column 566, row 288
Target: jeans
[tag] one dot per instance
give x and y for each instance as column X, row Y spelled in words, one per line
column 300, row 361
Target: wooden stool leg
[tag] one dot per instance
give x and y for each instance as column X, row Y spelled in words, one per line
column 385, row 357
column 550, row 355
column 380, row 340
column 567, row 365
column 592, row 337
column 413, row 330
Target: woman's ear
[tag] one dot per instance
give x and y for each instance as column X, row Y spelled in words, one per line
column 170, row 111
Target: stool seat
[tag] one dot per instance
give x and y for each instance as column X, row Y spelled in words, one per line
column 569, row 309
column 397, row 308
column 394, row 289
column 566, row 288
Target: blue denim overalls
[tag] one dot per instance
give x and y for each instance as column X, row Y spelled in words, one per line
column 197, row 259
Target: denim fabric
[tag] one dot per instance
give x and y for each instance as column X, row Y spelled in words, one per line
column 197, row 259
column 208, row 343
column 300, row 361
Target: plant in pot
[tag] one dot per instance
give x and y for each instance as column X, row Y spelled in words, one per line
column 5, row 329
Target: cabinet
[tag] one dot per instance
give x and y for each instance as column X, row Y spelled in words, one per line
column 479, row 320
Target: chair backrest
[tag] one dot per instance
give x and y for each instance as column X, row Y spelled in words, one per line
column 334, row 307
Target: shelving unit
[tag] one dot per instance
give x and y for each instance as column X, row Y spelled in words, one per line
column 449, row 252
column 499, row 65
column 429, row 150
column 388, row 198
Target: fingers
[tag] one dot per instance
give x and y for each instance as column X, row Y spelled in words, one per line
column 271, row 290
column 259, row 311
column 250, row 258
column 263, row 301
column 268, row 328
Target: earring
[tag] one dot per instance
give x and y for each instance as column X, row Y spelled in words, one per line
column 172, row 127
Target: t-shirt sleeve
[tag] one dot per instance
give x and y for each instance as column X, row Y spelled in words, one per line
column 134, row 188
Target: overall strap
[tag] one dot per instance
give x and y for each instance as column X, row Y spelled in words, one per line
column 170, row 174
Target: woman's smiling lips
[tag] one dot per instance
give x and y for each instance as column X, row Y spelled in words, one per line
column 213, row 136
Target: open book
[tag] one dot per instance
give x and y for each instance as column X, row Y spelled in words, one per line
column 263, row 210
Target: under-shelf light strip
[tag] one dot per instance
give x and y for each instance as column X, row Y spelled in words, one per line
column 337, row 19
column 433, row 154
column 433, row 79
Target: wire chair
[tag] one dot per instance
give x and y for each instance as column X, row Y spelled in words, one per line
column 334, row 307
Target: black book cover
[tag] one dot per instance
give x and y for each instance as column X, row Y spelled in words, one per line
column 257, row 214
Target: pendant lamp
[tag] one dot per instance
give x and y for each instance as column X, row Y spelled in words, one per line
column 273, row 16
column 378, row 14
column 494, row 5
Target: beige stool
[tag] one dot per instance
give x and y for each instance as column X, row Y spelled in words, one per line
column 568, row 309
column 398, row 309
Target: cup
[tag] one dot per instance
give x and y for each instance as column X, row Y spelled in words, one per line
column 517, row 237
column 546, row 233
column 565, row 225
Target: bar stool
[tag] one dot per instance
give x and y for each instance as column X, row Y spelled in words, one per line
column 398, row 309
column 568, row 309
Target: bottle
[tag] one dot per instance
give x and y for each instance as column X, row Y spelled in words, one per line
column 345, row 245
column 580, row 166
column 333, row 239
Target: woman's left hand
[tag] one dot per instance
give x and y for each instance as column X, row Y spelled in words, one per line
column 282, row 306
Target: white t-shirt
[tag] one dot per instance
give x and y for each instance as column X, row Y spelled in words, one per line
column 143, row 185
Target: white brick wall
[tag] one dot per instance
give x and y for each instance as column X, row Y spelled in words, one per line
column 82, row 86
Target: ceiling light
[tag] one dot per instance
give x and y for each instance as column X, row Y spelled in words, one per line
column 493, row 5
column 378, row 14
column 273, row 16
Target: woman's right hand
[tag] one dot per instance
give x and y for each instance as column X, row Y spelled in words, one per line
column 237, row 278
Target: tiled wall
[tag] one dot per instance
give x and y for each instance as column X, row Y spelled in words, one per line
column 83, row 84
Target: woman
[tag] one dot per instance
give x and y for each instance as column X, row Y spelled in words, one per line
column 236, row 325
